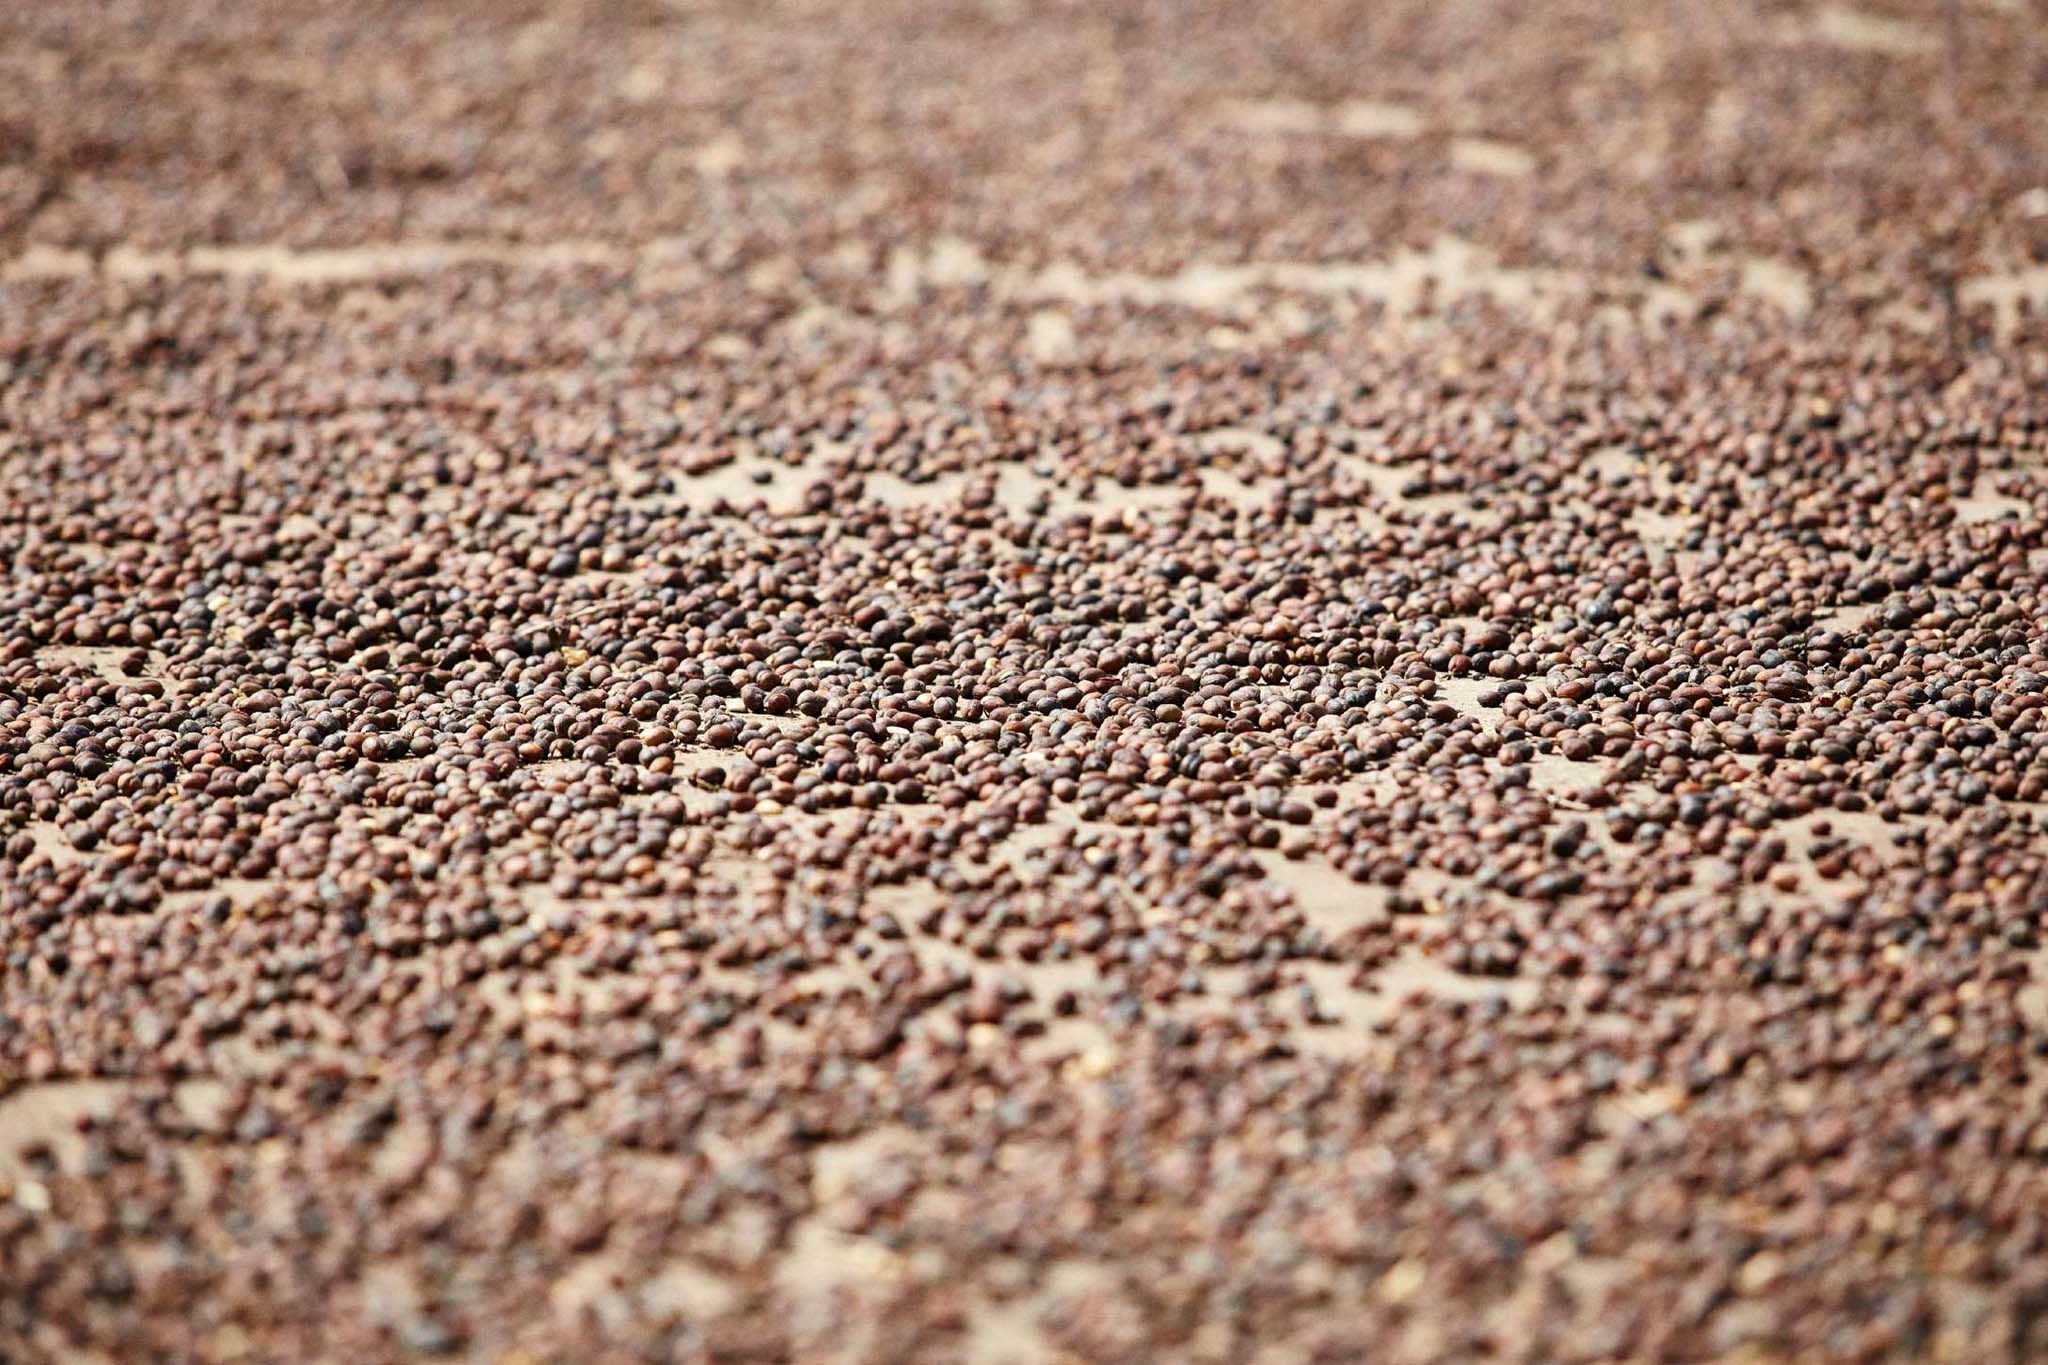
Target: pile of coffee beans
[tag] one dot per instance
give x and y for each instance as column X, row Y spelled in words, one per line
column 1023, row 682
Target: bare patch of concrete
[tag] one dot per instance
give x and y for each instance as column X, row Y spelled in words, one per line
column 1357, row 118
column 1492, row 156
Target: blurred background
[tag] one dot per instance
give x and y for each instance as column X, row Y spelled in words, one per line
column 1132, row 133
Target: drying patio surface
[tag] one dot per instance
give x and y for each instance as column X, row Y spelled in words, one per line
column 1014, row 682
